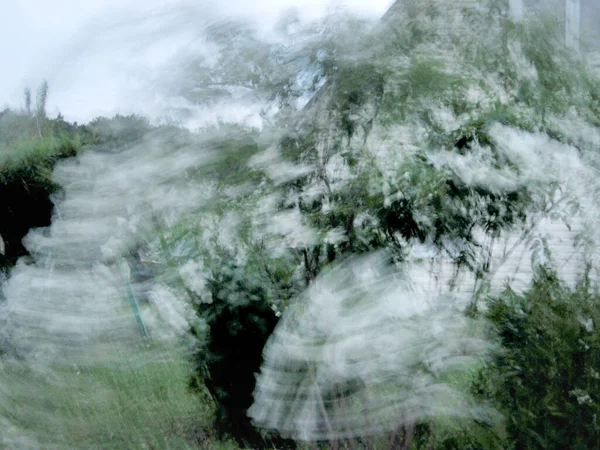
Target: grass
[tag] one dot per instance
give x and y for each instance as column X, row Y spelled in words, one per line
column 35, row 155
column 141, row 402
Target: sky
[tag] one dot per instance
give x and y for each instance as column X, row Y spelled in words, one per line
column 98, row 54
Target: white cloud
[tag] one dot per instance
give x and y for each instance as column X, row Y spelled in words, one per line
column 98, row 55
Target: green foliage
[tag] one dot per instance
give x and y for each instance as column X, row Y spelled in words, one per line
column 42, row 98
column 29, row 149
column 33, row 159
column 546, row 380
column 117, row 132
column 447, row 433
column 138, row 404
column 370, row 184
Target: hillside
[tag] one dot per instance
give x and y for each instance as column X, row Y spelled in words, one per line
column 400, row 251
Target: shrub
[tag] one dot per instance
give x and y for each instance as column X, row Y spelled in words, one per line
column 546, row 380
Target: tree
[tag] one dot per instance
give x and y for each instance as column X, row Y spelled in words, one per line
column 40, row 108
column 28, row 101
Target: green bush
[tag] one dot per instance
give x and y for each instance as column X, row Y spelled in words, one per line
column 546, row 380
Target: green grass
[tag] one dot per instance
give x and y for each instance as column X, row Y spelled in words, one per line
column 34, row 155
column 139, row 402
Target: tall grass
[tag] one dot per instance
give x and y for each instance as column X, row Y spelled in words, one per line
column 142, row 402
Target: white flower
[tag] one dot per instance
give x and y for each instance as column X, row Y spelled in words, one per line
column 583, row 398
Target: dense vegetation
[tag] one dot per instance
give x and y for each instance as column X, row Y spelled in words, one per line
column 30, row 146
column 420, row 132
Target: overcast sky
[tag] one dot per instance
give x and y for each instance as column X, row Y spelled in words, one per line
column 89, row 50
